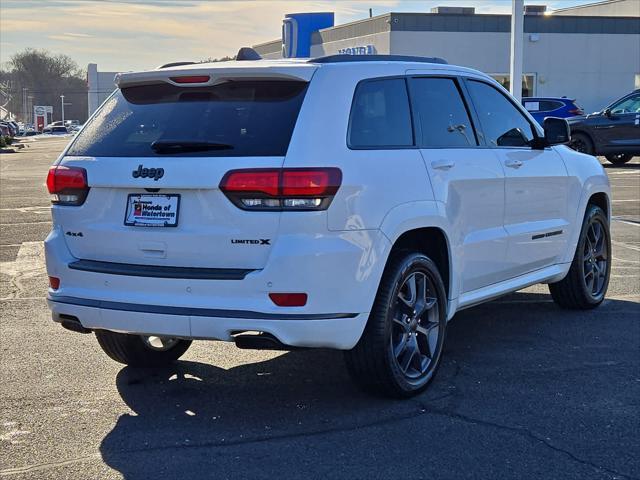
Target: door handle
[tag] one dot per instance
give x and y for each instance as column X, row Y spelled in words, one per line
column 442, row 164
column 513, row 163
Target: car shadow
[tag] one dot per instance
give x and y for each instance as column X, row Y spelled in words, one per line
column 190, row 420
column 626, row 166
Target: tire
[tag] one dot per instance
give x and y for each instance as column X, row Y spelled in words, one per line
column 586, row 284
column 581, row 142
column 619, row 159
column 137, row 351
column 416, row 332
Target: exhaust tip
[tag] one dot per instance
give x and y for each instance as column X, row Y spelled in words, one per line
column 260, row 341
column 69, row 322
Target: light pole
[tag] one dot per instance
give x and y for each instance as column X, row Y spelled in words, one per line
column 30, row 109
column 517, row 34
column 63, row 104
column 25, row 114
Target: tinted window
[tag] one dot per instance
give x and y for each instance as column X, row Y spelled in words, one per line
column 541, row 105
column 380, row 115
column 243, row 118
column 502, row 123
column 444, row 121
column 629, row 105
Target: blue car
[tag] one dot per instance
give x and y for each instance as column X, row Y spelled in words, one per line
column 541, row 107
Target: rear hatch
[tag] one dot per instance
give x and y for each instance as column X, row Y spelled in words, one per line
column 155, row 155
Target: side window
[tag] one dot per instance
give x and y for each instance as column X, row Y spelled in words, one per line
column 380, row 115
column 502, row 123
column 444, row 121
column 629, row 105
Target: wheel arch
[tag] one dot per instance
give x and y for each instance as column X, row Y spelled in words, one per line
column 423, row 226
column 602, row 200
column 432, row 242
column 595, row 193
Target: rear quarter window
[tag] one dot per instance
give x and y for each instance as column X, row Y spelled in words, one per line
column 245, row 118
column 380, row 115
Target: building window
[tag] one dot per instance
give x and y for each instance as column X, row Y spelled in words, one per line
column 528, row 82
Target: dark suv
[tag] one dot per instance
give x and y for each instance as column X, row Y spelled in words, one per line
column 614, row 132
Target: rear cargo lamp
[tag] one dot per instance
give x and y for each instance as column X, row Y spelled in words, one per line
column 191, row 79
column 282, row 189
column 67, row 185
column 54, row 283
column 289, row 299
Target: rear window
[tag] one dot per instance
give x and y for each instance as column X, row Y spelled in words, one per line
column 542, row 105
column 236, row 118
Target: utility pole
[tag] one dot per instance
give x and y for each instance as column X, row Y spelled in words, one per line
column 517, row 34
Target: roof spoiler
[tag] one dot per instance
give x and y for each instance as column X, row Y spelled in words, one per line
column 343, row 58
column 175, row 64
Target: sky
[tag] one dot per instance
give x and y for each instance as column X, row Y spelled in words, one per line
column 127, row 35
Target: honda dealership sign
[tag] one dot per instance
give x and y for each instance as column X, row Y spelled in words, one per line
column 42, row 116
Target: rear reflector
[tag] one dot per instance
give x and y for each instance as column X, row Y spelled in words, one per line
column 54, row 283
column 289, row 299
column 282, row 189
column 191, row 79
column 67, row 185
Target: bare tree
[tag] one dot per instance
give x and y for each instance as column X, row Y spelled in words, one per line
column 45, row 77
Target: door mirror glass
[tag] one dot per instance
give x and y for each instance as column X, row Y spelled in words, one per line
column 556, row 131
column 607, row 112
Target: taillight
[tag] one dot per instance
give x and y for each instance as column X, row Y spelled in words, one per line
column 576, row 111
column 282, row 188
column 67, row 185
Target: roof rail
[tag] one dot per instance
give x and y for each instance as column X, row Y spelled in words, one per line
column 376, row 58
column 175, row 64
column 247, row 53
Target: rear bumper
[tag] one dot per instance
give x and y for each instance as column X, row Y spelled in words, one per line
column 339, row 331
column 339, row 271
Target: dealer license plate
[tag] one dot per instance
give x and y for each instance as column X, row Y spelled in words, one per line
column 154, row 210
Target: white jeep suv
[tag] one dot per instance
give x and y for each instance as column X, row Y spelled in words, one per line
column 354, row 203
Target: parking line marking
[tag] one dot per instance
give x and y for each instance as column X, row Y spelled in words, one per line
column 23, row 223
column 626, row 245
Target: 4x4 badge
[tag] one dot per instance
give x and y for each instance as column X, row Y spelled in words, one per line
column 155, row 173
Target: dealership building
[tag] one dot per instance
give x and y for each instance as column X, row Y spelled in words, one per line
column 590, row 53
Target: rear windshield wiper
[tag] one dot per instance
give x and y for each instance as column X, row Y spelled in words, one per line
column 180, row 146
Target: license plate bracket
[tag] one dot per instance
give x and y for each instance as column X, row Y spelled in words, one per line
column 152, row 210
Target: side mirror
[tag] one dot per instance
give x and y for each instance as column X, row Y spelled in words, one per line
column 607, row 112
column 556, row 131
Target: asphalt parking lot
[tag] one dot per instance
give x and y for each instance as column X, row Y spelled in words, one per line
column 526, row 390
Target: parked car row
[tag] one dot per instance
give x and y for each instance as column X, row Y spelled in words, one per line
column 613, row 132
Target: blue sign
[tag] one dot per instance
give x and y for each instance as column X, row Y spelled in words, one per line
column 297, row 29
